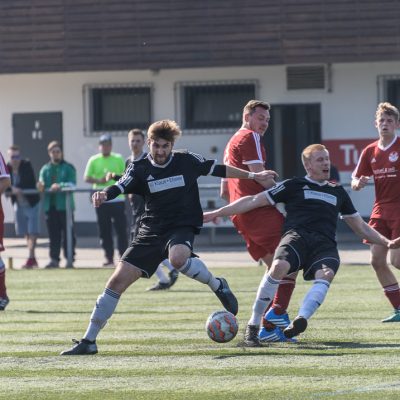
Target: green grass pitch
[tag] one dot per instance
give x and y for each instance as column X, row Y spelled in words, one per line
column 155, row 345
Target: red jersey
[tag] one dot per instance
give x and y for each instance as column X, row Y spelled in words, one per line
column 244, row 148
column 383, row 163
column 3, row 174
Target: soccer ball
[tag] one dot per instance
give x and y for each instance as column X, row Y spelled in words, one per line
column 222, row 326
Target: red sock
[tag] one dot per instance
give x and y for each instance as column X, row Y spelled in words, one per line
column 283, row 295
column 3, row 290
column 392, row 292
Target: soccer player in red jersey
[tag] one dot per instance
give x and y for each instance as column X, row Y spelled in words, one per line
column 261, row 228
column 5, row 182
column 380, row 161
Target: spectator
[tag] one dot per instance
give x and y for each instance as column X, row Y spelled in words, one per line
column 111, row 213
column 26, row 206
column 5, row 182
column 54, row 176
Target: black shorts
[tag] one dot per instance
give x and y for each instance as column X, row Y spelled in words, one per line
column 147, row 251
column 309, row 251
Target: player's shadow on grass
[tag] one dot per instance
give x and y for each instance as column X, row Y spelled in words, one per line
column 358, row 345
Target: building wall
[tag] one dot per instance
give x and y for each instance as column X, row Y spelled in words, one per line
column 347, row 110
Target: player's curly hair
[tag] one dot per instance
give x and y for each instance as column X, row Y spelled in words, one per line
column 387, row 108
column 164, row 129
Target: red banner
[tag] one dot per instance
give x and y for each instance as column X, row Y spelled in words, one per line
column 344, row 153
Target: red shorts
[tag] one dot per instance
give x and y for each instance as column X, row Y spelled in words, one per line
column 261, row 228
column 389, row 228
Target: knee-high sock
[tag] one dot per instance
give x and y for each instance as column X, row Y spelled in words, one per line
column 167, row 264
column 314, row 298
column 266, row 292
column 103, row 310
column 3, row 290
column 392, row 293
column 283, row 295
column 197, row 270
column 161, row 275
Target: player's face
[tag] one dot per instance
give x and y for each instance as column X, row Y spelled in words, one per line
column 55, row 155
column 319, row 165
column 105, row 148
column 15, row 158
column 386, row 124
column 258, row 121
column 160, row 150
column 136, row 144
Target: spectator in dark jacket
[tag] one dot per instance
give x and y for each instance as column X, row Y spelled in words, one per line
column 26, row 206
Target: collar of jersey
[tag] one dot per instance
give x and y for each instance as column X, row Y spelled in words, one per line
column 316, row 182
column 158, row 165
column 139, row 157
column 389, row 145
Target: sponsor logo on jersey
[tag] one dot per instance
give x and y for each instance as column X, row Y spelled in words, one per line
column 166, row 183
column 393, row 156
column 314, row 195
column 149, row 178
column 305, row 187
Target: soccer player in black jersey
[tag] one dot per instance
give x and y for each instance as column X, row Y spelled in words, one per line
column 173, row 216
column 309, row 240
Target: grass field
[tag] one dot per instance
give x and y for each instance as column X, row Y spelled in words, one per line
column 155, row 346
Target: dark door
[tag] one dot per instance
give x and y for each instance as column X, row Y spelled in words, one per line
column 292, row 128
column 33, row 132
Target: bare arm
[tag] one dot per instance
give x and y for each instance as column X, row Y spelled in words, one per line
column 89, row 179
column 4, row 184
column 258, row 167
column 362, row 229
column 239, row 206
column 265, row 177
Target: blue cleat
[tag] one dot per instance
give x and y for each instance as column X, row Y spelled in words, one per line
column 282, row 321
column 395, row 317
column 274, row 335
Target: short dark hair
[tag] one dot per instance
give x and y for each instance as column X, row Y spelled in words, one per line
column 251, row 106
column 164, row 129
column 134, row 132
column 14, row 147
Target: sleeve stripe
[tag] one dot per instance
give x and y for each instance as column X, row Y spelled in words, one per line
column 257, row 141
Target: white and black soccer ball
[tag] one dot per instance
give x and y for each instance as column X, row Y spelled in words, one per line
column 222, row 326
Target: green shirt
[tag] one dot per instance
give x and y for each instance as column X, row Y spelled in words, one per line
column 98, row 166
column 64, row 174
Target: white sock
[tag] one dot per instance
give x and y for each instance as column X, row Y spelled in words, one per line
column 314, row 298
column 103, row 310
column 167, row 264
column 160, row 275
column 197, row 270
column 265, row 294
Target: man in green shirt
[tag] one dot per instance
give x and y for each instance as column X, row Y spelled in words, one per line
column 54, row 176
column 112, row 212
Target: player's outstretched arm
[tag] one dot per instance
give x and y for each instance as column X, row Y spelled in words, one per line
column 239, row 206
column 359, row 183
column 362, row 229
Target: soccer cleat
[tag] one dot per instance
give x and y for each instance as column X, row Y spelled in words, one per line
column 251, row 336
column 52, row 264
column 173, row 277
column 297, row 326
column 274, row 335
column 3, row 303
column 282, row 321
column 395, row 317
column 226, row 297
column 83, row 347
column 160, row 286
column 30, row 263
column 109, row 262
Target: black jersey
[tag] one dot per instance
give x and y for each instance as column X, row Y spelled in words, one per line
column 312, row 206
column 170, row 191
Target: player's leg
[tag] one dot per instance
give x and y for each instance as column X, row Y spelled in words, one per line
column 105, row 230
column 124, row 275
column 119, row 219
column 163, row 282
column 4, row 300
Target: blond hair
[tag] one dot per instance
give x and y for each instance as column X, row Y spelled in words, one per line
column 387, row 108
column 306, row 154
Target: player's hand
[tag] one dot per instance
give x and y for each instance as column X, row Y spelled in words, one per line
column 211, row 216
column 264, row 176
column 55, row 187
column 109, row 176
column 394, row 244
column 361, row 182
column 98, row 198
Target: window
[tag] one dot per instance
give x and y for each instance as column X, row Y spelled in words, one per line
column 117, row 108
column 305, row 77
column 389, row 89
column 206, row 106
